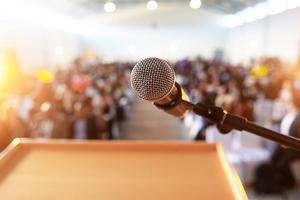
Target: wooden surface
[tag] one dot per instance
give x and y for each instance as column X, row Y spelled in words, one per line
column 61, row 169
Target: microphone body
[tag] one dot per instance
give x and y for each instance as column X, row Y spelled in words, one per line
column 153, row 79
column 172, row 103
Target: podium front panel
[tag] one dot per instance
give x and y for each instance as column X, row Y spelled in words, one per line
column 80, row 170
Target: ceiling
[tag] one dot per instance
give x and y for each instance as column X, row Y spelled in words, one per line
column 84, row 8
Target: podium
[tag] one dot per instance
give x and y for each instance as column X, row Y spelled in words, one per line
column 92, row 170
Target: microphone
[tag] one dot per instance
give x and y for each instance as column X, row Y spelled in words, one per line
column 153, row 79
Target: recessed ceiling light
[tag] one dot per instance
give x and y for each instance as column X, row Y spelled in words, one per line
column 195, row 4
column 110, row 7
column 152, row 5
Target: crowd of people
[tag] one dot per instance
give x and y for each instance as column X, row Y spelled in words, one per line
column 100, row 94
column 266, row 92
column 91, row 100
column 87, row 100
column 237, row 89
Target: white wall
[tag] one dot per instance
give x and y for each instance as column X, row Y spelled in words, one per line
column 172, row 32
column 276, row 35
column 166, row 42
column 38, row 47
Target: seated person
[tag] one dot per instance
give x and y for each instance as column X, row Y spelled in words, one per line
column 85, row 123
column 283, row 158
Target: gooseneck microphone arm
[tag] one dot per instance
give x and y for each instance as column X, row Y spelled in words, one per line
column 227, row 122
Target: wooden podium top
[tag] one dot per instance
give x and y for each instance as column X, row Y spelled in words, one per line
column 64, row 169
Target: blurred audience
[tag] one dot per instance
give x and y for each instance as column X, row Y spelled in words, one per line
column 266, row 92
column 92, row 100
column 250, row 91
column 87, row 100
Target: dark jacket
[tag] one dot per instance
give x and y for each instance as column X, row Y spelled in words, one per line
column 92, row 128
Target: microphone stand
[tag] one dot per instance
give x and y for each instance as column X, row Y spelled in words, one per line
column 227, row 122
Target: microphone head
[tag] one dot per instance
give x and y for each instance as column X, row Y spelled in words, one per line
column 152, row 79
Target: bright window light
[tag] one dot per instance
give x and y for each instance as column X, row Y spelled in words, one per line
column 253, row 44
column 195, row 4
column 152, row 5
column 131, row 48
column 249, row 15
column 276, row 6
column 293, row 4
column 110, row 7
column 29, row 14
column 230, row 21
column 174, row 47
column 239, row 18
column 1, row 71
column 260, row 10
column 59, row 51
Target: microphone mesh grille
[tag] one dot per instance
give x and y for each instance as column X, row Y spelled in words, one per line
column 152, row 78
